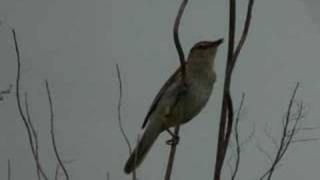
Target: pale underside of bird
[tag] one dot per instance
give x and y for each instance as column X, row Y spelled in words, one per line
column 178, row 101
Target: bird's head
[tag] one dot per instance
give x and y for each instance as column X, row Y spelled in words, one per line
column 204, row 51
column 204, row 47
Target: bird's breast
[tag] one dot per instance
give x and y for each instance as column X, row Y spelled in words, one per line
column 194, row 99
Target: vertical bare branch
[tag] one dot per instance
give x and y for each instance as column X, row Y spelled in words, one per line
column 55, row 148
column 226, row 116
column 24, row 119
column 222, row 141
column 35, row 136
column 238, row 150
column 9, row 169
column 56, row 172
column 119, row 106
column 184, row 84
column 19, row 104
column 119, row 110
column 108, row 176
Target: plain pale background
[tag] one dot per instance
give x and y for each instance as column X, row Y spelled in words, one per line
column 75, row 45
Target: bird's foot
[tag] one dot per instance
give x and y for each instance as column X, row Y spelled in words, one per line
column 174, row 140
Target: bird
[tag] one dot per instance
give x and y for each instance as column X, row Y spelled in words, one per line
column 179, row 100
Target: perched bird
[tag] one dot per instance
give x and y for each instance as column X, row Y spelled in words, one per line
column 174, row 104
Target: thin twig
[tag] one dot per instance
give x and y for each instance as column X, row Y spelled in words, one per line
column 249, row 137
column 226, row 115
column 108, row 175
column 55, row 148
column 9, row 169
column 184, row 83
column 119, row 107
column 269, row 135
column 244, row 32
column 305, row 140
column 57, row 170
column 284, row 143
column 34, row 134
column 289, row 131
column 238, row 150
column 56, row 174
column 308, row 128
column 263, row 151
column 19, row 103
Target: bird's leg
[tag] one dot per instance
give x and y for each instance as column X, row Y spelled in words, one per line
column 182, row 91
column 175, row 139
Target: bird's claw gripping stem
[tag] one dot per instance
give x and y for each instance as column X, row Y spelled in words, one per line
column 174, row 140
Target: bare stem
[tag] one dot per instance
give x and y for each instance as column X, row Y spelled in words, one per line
column 9, row 169
column 19, row 103
column 222, row 141
column 238, row 150
column 55, row 148
column 35, row 136
column 108, row 176
column 226, row 115
column 119, row 110
column 184, row 84
column 119, row 107
column 177, row 41
column 289, row 131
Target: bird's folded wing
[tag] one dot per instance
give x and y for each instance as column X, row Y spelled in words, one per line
column 174, row 78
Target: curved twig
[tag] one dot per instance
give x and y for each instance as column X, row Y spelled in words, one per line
column 125, row 137
column 34, row 134
column 119, row 106
column 177, row 41
column 19, row 103
column 226, row 116
column 244, row 33
column 222, row 141
column 53, row 140
column 238, row 150
column 184, row 84
column 289, row 131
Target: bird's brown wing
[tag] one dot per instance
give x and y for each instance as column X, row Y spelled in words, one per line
column 162, row 91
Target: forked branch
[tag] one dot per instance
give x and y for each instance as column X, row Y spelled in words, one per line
column 226, row 115
column 31, row 133
column 290, row 129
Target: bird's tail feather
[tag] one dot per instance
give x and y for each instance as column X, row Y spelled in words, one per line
column 150, row 135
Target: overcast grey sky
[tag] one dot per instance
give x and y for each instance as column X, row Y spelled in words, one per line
column 75, row 44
